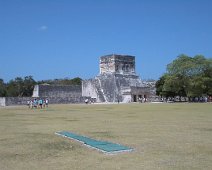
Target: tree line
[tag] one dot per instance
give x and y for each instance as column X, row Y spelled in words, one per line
column 186, row 76
column 23, row 87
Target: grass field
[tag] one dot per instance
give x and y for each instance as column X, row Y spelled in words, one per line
column 164, row 136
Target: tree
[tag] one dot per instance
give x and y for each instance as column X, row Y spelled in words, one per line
column 196, row 86
column 159, row 85
column 21, row 87
column 2, row 88
column 208, row 84
column 66, row 81
column 28, row 86
column 181, row 66
column 14, row 87
column 187, row 76
column 76, row 81
column 174, row 85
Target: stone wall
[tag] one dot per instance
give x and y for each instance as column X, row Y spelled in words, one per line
column 143, row 92
column 2, row 101
column 125, row 64
column 89, row 88
column 119, row 64
column 140, row 90
column 107, row 64
column 67, row 100
column 57, row 91
column 60, row 93
column 12, row 101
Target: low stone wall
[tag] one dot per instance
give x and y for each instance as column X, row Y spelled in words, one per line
column 60, row 91
column 2, row 101
column 12, row 101
column 66, row 100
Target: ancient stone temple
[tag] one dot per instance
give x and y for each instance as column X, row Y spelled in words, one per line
column 117, row 82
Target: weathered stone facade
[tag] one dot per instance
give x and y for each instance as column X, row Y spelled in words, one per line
column 117, row 81
column 118, row 64
column 10, row 101
column 2, row 101
column 46, row 90
column 59, row 94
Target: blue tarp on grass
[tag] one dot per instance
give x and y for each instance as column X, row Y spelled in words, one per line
column 103, row 146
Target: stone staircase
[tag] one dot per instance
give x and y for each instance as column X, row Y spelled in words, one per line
column 99, row 91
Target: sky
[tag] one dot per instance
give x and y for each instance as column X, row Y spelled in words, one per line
column 51, row 39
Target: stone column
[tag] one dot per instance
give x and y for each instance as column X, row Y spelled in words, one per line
column 2, row 101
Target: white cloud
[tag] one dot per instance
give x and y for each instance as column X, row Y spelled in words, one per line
column 43, row 28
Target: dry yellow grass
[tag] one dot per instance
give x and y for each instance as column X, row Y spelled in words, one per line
column 164, row 136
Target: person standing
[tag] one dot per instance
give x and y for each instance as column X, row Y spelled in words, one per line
column 47, row 102
column 31, row 104
column 40, row 103
column 35, row 103
column 28, row 103
column 44, row 103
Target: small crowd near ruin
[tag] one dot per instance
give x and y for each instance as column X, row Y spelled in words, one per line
column 90, row 101
column 201, row 99
column 37, row 103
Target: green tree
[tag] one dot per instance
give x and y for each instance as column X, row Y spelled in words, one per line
column 159, row 85
column 181, row 66
column 187, row 76
column 66, row 81
column 208, row 85
column 2, row 88
column 14, row 87
column 28, row 86
column 196, row 86
column 76, row 81
column 21, row 87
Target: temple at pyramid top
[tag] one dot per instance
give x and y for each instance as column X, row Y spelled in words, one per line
column 117, row 64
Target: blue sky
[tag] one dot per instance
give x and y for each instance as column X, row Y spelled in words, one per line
column 51, row 39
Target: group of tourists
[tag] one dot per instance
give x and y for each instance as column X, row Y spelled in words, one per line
column 38, row 103
column 142, row 99
column 90, row 101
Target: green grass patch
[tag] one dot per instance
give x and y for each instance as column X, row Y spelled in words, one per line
column 164, row 136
